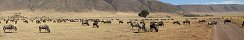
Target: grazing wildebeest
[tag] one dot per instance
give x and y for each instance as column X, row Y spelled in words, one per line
column 142, row 27
column 227, row 21
column 46, row 27
column 187, row 22
column 95, row 23
column 10, row 27
column 121, row 22
column 161, row 23
column 6, row 21
column 25, row 21
column 212, row 23
column 153, row 25
column 201, row 21
column 85, row 22
column 176, row 22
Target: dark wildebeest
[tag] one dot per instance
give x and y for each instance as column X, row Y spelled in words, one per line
column 107, row 21
column 15, row 21
column 95, row 23
column 38, row 21
column 227, row 21
column 176, row 22
column 6, row 21
column 85, row 22
column 25, row 21
column 161, row 23
column 10, row 27
column 46, row 27
column 121, row 22
column 201, row 21
column 142, row 27
column 153, row 25
column 212, row 23
column 187, row 22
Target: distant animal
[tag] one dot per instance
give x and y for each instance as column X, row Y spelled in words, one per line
column 212, row 23
column 38, row 21
column 95, row 23
column 129, row 22
column 201, row 21
column 161, row 23
column 85, row 22
column 45, row 27
column 134, row 24
column 10, row 27
column 6, row 21
column 121, row 22
column 25, row 21
column 227, row 21
column 187, row 22
column 107, row 21
column 176, row 22
column 153, row 25
column 15, row 21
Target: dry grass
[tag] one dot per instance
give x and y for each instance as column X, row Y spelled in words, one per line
column 114, row 31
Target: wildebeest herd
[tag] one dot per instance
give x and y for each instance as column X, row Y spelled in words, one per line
column 141, row 25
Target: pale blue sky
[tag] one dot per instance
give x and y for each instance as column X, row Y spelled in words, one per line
column 180, row 2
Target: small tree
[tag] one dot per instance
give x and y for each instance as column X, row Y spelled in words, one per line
column 143, row 13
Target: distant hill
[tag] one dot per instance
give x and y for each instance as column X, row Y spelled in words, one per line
column 87, row 5
column 213, row 8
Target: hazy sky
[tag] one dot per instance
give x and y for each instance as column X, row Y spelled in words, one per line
column 180, row 2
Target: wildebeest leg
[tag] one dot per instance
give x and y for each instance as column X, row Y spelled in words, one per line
column 97, row 26
column 156, row 29
column 4, row 29
column 151, row 29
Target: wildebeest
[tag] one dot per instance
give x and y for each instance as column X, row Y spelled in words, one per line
column 10, row 27
column 107, row 21
column 227, row 21
column 85, row 22
column 153, row 25
column 187, row 22
column 95, row 23
column 25, row 21
column 201, row 21
column 38, row 21
column 6, row 21
column 121, row 22
column 134, row 24
column 176, row 22
column 161, row 23
column 142, row 27
column 129, row 22
column 212, row 23
column 46, row 27
column 15, row 21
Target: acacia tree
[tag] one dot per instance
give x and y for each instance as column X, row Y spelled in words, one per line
column 143, row 13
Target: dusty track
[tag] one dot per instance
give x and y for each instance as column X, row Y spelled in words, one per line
column 228, row 32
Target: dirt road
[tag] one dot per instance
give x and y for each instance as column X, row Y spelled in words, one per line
column 228, row 32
